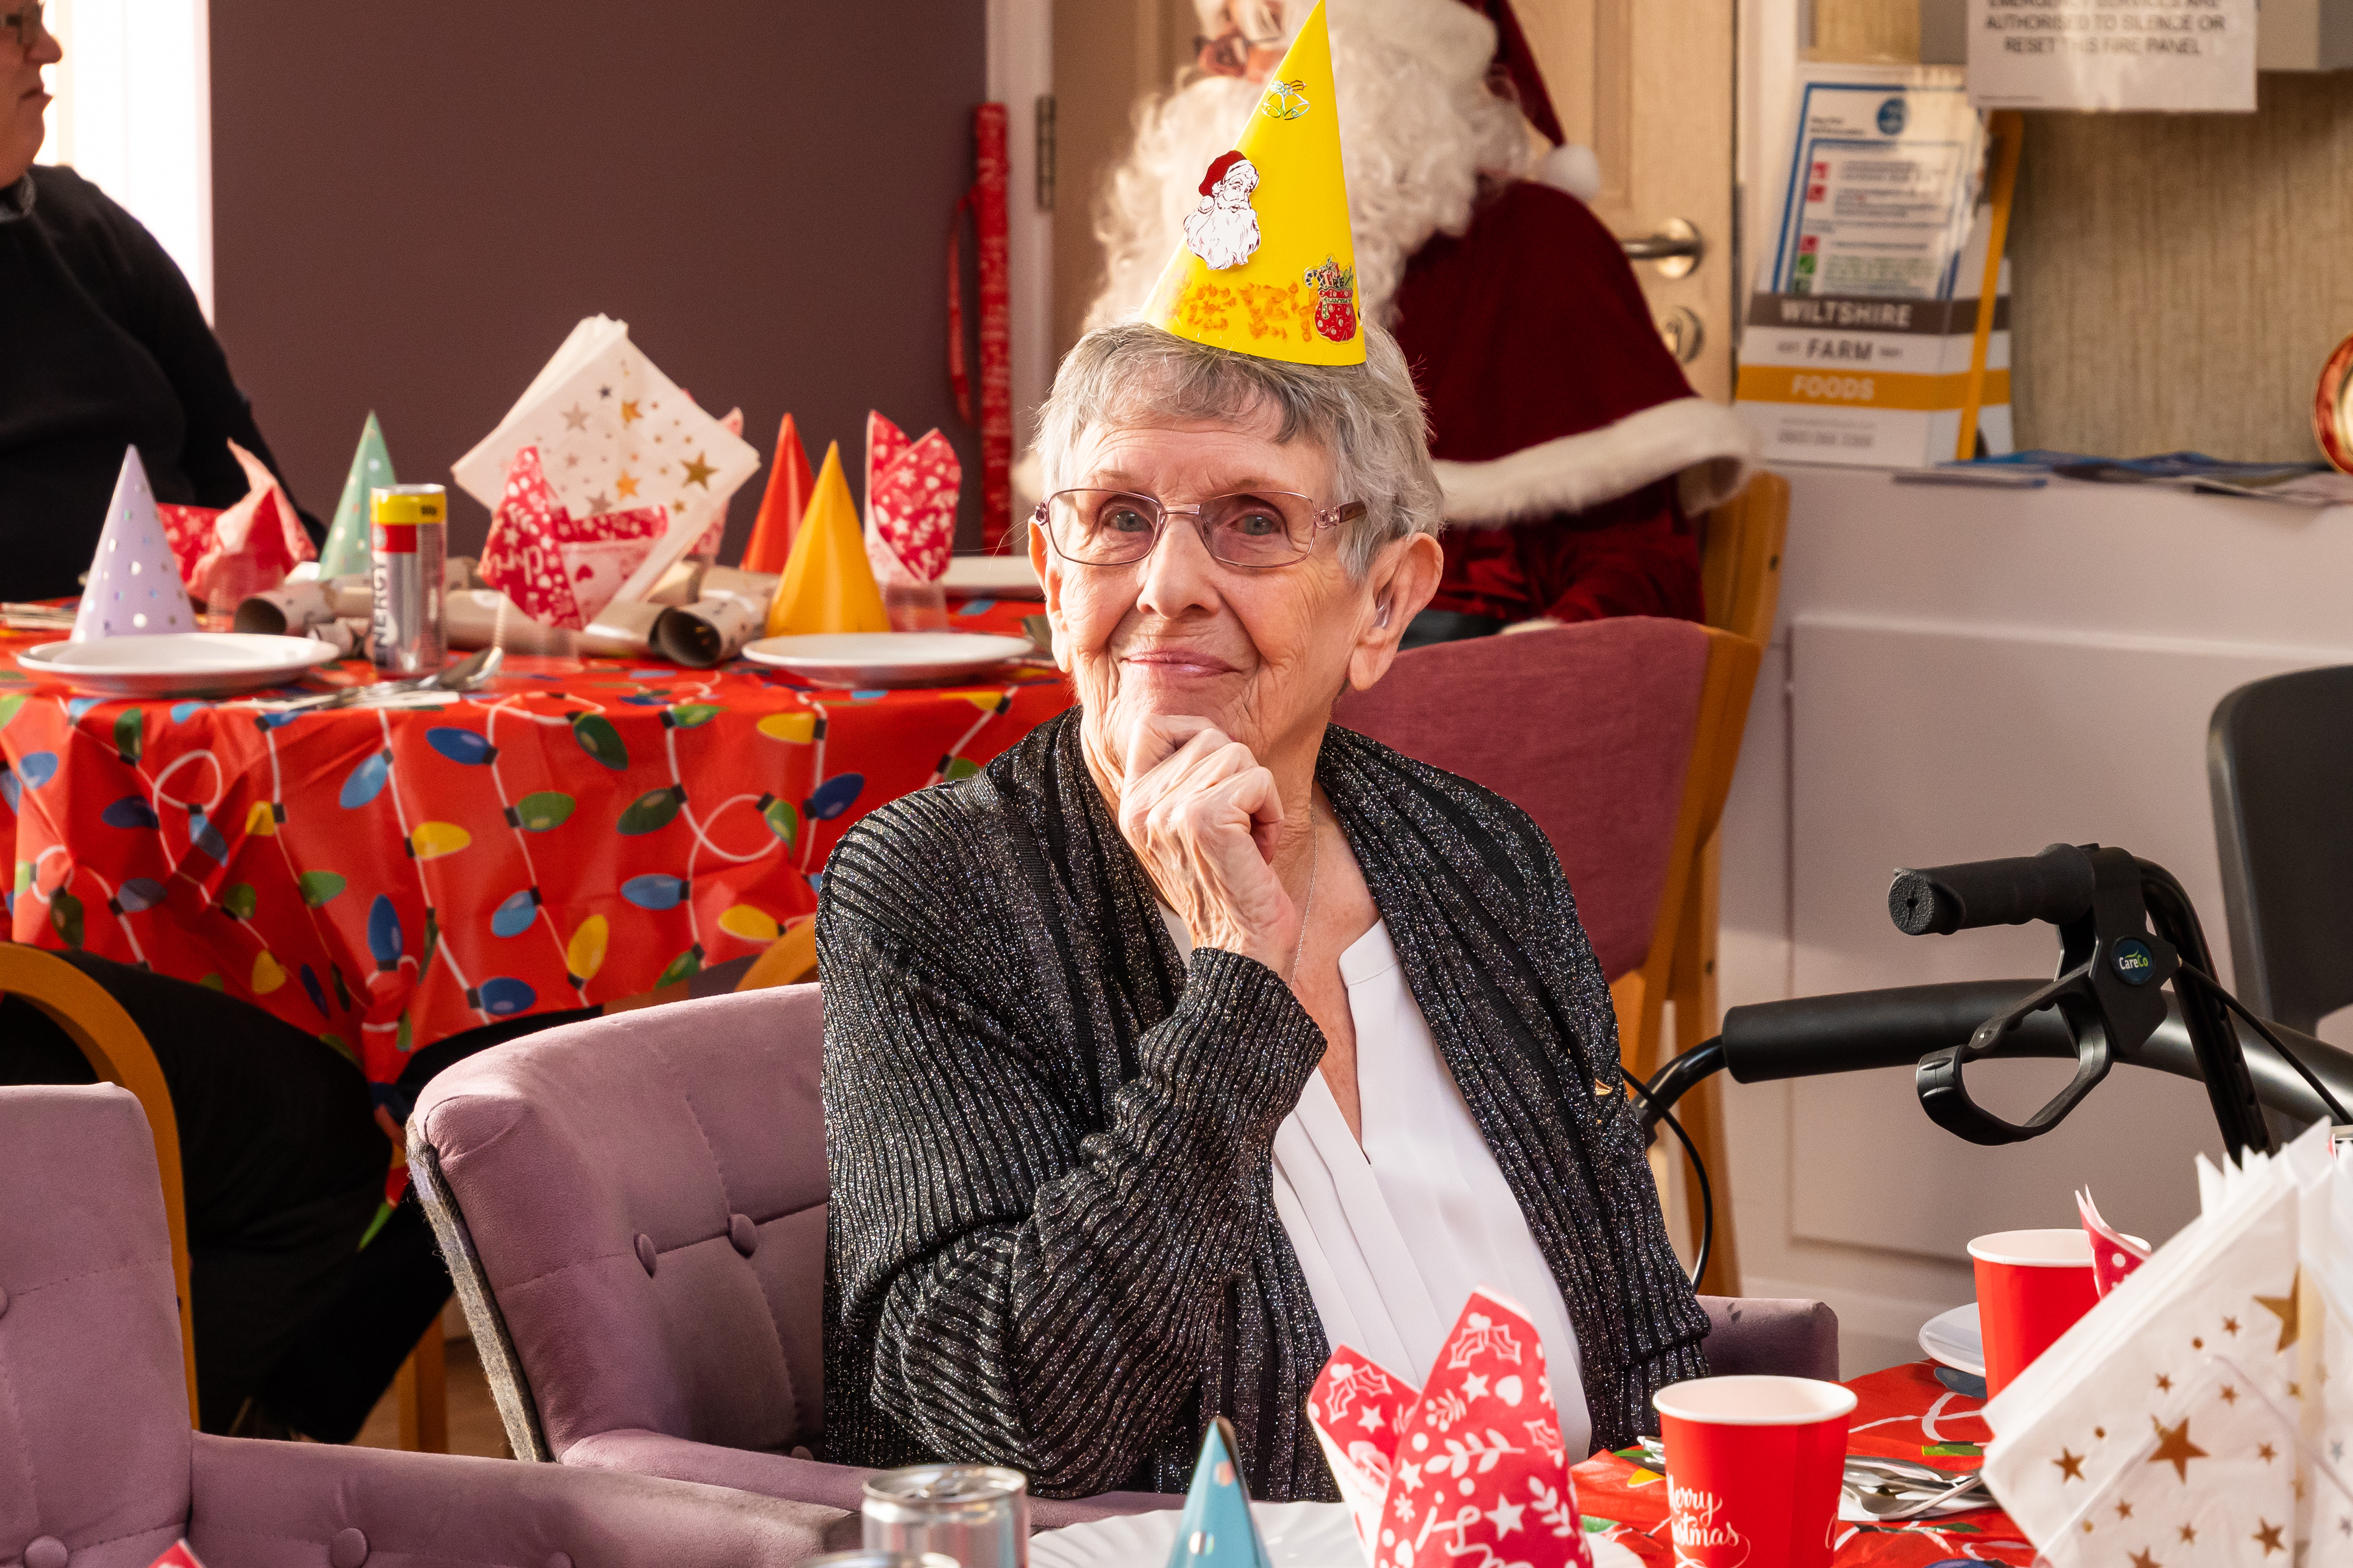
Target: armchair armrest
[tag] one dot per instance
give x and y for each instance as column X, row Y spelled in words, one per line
column 781, row 1475
column 295, row 1505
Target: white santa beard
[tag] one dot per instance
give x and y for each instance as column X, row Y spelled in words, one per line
column 1412, row 139
column 1222, row 237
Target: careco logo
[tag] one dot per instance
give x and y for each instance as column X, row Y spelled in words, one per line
column 2135, row 964
column 1891, row 116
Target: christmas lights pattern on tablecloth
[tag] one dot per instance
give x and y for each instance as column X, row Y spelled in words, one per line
column 578, row 832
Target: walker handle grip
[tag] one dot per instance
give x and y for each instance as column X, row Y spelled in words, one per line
column 2055, row 885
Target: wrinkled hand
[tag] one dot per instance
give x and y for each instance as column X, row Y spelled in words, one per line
column 1204, row 818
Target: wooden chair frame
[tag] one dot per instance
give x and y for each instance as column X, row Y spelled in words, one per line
column 1740, row 574
column 119, row 1053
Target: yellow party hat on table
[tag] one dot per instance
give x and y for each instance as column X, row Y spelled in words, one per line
column 828, row 585
column 1266, row 266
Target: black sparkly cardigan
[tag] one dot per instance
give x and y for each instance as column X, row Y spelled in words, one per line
column 1054, row 1242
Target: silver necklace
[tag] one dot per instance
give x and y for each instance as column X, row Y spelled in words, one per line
column 1314, row 863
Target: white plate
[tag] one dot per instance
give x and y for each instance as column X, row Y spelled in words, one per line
column 1297, row 1535
column 178, row 664
column 864, row 660
column 1004, row 577
column 1953, row 1338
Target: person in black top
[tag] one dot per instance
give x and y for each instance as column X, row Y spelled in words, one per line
column 303, row 1300
column 106, row 349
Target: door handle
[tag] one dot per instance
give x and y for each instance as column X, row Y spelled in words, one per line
column 1675, row 249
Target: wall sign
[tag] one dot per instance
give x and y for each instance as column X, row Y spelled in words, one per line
column 2184, row 55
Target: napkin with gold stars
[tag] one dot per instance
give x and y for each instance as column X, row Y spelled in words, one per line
column 616, row 435
column 2170, row 1424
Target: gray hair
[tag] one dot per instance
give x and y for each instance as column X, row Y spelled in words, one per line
column 1367, row 416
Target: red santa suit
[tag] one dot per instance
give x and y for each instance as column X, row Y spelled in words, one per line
column 1572, row 451
column 1559, row 419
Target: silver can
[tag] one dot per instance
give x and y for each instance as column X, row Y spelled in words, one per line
column 864, row 1559
column 976, row 1514
column 409, row 535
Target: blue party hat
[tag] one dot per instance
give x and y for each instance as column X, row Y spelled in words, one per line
column 1217, row 1527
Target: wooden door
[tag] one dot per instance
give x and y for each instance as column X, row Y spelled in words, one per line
column 1648, row 85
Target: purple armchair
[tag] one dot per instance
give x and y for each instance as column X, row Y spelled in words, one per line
column 634, row 1211
column 633, row 1208
column 98, row 1467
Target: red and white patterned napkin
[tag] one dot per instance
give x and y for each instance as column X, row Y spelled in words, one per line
column 1357, row 1407
column 560, row 570
column 2114, row 1254
column 1474, row 1468
column 189, row 532
column 912, row 489
column 885, row 443
column 253, row 545
column 913, row 505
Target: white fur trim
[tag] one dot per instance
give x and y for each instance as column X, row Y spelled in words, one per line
column 1703, row 445
column 1573, row 168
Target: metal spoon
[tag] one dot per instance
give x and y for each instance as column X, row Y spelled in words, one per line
column 1891, row 1502
column 463, row 676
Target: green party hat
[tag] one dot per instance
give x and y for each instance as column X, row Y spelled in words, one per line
column 346, row 550
column 1215, row 1530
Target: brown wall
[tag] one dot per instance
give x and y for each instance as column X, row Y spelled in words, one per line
column 413, row 203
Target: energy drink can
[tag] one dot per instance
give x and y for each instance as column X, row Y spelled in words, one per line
column 977, row 1515
column 409, row 532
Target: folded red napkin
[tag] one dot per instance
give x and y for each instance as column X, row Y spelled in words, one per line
column 254, row 543
column 2114, row 1254
column 177, row 1555
column 884, row 442
column 912, row 489
column 1471, row 1465
column 914, row 507
column 560, row 570
column 189, row 530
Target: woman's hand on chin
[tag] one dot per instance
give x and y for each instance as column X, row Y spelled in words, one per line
column 1204, row 818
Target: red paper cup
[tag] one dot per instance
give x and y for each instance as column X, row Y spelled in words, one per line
column 2031, row 1284
column 1753, row 1469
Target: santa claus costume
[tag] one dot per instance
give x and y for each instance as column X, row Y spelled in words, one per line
column 1574, row 455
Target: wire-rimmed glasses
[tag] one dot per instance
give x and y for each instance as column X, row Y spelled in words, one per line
column 1254, row 530
column 24, row 22
column 1228, row 54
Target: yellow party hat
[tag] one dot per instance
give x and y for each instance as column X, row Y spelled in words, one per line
column 828, row 585
column 1266, row 266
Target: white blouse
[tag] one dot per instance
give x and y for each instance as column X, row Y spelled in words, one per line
column 1394, row 1234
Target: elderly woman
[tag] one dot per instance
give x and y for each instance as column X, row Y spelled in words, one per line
column 1195, row 1034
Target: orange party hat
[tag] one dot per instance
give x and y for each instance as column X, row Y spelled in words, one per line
column 828, row 585
column 787, row 497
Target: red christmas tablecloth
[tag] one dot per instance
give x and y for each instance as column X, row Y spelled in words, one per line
column 576, row 832
column 1906, row 1412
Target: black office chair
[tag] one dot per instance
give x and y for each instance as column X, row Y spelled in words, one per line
column 2279, row 764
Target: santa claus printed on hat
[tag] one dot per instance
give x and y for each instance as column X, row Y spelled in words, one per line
column 1572, row 451
column 1223, row 230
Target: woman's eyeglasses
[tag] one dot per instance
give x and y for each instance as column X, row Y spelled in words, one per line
column 1228, row 54
column 1254, row 530
column 24, row 22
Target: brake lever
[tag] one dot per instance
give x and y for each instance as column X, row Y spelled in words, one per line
column 2109, row 993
